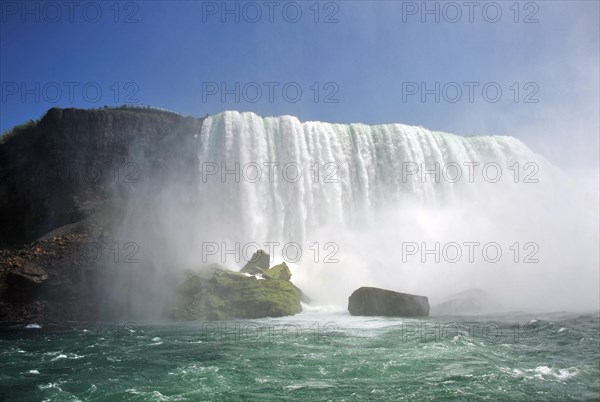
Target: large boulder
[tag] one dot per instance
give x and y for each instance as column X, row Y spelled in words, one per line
column 218, row 293
column 375, row 301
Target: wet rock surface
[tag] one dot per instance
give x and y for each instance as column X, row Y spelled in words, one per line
column 371, row 301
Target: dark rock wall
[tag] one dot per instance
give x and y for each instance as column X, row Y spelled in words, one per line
column 74, row 162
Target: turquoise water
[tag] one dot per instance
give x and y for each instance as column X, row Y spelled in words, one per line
column 312, row 356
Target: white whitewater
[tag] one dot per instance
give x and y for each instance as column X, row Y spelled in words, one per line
column 348, row 170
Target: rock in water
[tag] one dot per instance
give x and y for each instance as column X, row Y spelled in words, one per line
column 375, row 301
column 218, row 294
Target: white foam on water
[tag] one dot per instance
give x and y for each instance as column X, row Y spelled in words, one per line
column 543, row 373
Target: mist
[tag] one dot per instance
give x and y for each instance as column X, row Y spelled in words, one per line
column 363, row 211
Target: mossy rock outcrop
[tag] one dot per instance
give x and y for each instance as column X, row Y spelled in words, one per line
column 374, row 301
column 281, row 272
column 217, row 293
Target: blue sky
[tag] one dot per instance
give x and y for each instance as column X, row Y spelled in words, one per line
column 169, row 54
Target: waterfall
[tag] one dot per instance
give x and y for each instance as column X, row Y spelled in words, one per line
column 352, row 196
column 336, row 174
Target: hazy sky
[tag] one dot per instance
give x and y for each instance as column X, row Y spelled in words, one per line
column 353, row 62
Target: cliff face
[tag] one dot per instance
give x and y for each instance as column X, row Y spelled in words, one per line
column 74, row 162
column 63, row 184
